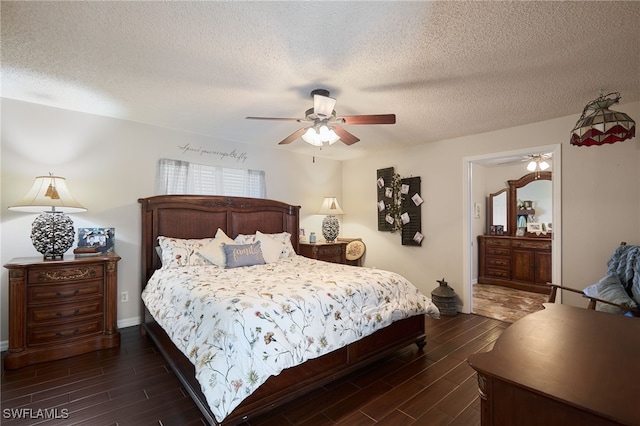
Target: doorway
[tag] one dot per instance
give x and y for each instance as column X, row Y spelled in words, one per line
column 472, row 199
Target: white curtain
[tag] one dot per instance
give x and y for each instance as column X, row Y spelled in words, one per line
column 182, row 177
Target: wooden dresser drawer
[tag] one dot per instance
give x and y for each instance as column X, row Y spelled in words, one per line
column 63, row 292
column 68, row 331
column 497, row 242
column 65, row 274
column 498, row 251
column 541, row 244
column 498, row 273
column 64, row 311
column 498, row 262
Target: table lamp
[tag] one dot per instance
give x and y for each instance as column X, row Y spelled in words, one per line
column 330, row 224
column 52, row 232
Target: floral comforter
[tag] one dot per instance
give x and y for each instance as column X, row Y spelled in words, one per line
column 240, row 326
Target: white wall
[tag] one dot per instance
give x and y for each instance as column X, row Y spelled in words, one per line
column 110, row 163
column 600, row 202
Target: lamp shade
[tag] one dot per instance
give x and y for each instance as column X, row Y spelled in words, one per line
column 48, row 192
column 598, row 125
column 330, row 206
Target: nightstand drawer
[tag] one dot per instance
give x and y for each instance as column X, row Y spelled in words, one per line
column 73, row 330
column 333, row 250
column 63, row 292
column 66, row 274
column 64, row 311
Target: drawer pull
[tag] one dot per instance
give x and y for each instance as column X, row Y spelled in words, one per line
column 68, row 294
column 73, row 333
column 73, row 314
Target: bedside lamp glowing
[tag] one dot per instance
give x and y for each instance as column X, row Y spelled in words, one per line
column 330, row 224
column 52, row 232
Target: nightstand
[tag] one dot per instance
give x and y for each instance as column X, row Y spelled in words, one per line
column 61, row 308
column 329, row 252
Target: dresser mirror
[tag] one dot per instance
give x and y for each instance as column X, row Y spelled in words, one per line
column 527, row 199
column 498, row 209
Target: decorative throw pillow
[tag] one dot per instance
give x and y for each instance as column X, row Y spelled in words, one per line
column 271, row 248
column 243, row 254
column 284, row 237
column 213, row 251
column 177, row 252
column 245, row 239
column 610, row 289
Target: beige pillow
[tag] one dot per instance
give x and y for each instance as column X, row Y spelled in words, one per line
column 214, row 252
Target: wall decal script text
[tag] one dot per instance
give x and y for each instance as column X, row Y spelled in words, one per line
column 240, row 157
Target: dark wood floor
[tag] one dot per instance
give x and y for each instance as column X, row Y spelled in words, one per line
column 132, row 385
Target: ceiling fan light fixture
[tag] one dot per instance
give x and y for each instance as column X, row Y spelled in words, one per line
column 321, row 135
column 544, row 165
column 312, row 137
column 532, row 165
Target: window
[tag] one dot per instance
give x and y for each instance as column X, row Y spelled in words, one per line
column 182, row 177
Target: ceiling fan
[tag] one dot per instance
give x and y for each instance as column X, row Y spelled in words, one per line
column 324, row 125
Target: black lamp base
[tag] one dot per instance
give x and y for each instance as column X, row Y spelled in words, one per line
column 52, row 234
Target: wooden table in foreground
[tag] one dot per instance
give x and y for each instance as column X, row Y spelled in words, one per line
column 562, row 366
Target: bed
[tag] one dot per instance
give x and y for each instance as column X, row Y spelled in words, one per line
column 188, row 217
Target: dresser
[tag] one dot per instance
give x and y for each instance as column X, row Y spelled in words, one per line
column 328, row 252
column 562, row 366
column 518, row 262
column 61, row 308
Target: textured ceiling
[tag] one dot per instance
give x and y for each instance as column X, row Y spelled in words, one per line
column 446, row 69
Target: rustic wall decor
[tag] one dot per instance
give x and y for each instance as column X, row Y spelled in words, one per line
column 398, row 206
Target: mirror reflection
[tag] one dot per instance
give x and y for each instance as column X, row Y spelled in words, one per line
column 525, row 207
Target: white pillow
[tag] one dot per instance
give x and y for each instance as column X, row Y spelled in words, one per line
column 271, row 248
column 213, row 252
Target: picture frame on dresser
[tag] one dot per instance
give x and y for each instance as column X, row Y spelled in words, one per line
column 103, row 239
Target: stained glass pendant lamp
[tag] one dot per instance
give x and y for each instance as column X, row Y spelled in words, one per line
column 52, row 232
column 598, row 125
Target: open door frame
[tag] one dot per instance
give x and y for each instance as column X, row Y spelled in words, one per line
column 470, row 253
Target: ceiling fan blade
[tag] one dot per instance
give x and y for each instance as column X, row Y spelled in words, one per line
column 293, row 136
column 369, row 119
column 323, row 106
column 273, row 118
column 346, row 137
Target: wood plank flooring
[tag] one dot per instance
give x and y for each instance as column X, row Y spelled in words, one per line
column 504, row 303
column 133, row 385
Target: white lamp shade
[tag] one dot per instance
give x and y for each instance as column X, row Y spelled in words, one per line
column 48, row 192
column 330, row 206
column 317, row 137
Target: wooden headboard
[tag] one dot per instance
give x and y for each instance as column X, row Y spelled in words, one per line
column 200, row 216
